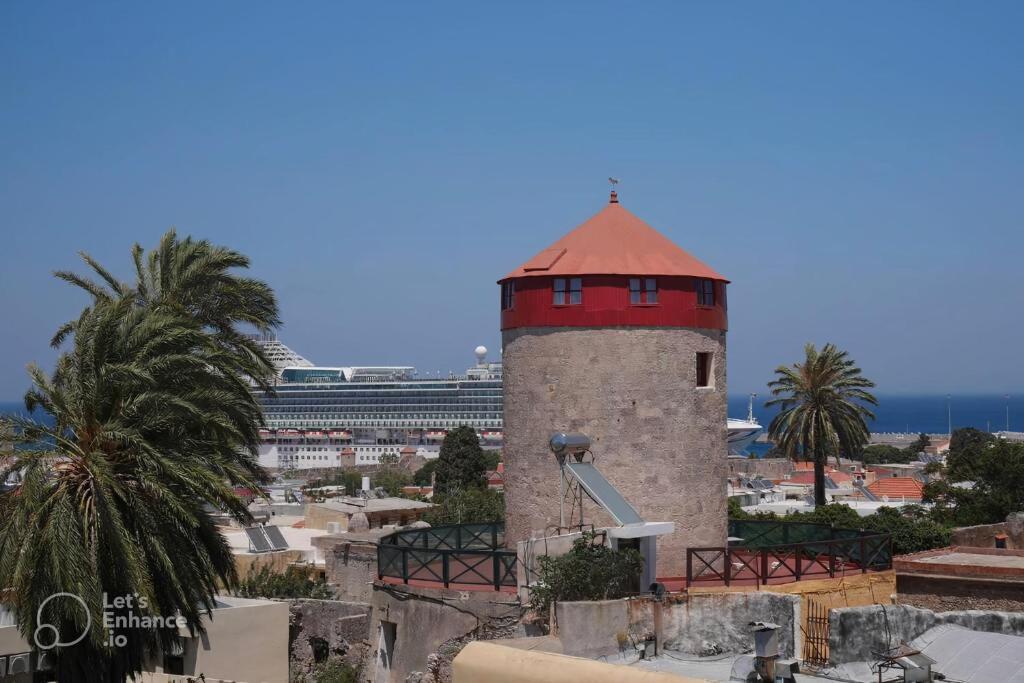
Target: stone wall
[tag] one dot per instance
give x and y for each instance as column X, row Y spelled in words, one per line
column 431, row 626
column 656, row 436
column 697, row 625
column 983, row 535
column 940, row 593
column 856, row 632
column 322, row 629
column 350, row 565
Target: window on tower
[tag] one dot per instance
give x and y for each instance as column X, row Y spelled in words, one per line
column 643, row 290
column 703, row 369
column 508, row 295
column 568, row 291
column 705, row 292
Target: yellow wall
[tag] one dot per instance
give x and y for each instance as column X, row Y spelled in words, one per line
column 487, row 661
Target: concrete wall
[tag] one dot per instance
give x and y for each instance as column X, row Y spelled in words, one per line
column 983, row 535
column 660, row 440
column 699, row 625
column 432, row 626
column 495, row 663
column 341, row 628
column 855, row 632
column 247, row 643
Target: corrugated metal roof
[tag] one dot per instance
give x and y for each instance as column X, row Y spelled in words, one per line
column 614, row 242
column 973, row 656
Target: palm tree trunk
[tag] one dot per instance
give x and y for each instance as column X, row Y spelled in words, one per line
column 819, row 480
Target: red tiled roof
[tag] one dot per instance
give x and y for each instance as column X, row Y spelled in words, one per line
column 614, row 242
column 408, row 449
column 897, row 487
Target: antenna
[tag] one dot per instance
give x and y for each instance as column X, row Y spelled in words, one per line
column 750, row 408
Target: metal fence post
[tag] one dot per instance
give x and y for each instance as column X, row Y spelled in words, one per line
column 495, row 563
column 764, row 567
column 405, row 566
column 689, row 567
column 863, row 557
column 796, row 554
column 444, row 567
column 728, row 566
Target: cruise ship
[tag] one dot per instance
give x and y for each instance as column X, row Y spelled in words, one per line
column 743, row 432
column 320, row 417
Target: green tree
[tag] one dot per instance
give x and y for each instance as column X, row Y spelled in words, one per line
column 391, row 479
column 822, row 409
column 919, row 445
column 153, row 424
column 967, row 448
column 424, row 474
column 878, row 454
column 995, row 490
column 461, row 463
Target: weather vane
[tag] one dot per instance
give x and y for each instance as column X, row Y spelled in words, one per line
column 613, row 181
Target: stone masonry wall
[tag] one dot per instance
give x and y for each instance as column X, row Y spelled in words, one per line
column 983, row 535
column 656, row 436
column 327, row 629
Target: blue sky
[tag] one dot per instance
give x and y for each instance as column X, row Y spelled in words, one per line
column 856, row 169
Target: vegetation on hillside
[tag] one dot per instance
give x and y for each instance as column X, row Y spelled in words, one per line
column 822, row 409
column 153, row 424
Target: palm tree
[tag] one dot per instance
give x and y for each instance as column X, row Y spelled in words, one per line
column 823, row 409
column 193, row 278
column 152, row 423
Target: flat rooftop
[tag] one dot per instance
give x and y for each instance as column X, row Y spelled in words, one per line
column 962, row 561
column 372, row 505
column 967, row 558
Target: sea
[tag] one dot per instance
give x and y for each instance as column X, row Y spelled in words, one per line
column 911, row 414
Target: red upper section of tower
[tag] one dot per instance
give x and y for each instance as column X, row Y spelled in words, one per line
column 614, row 271
column 614, row 242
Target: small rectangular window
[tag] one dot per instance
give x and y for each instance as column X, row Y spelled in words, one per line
column 643, row 291
column 567, row 292
column 508, row 296
column 635, row 296
column 703, row 369
column 575, row 291
column 705, row 292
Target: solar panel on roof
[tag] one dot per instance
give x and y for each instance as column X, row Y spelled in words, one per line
column 603, row 493
column 258, row 540
column 275, row 537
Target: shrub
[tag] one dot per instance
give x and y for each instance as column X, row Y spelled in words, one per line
column 294, row 582
column 589, row 571
column 469, row 506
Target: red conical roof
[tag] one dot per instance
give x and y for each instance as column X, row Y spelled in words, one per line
column 614, row 242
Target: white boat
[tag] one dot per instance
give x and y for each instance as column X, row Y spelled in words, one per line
column 742, row 432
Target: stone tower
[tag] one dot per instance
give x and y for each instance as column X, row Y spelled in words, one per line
column 616, row 332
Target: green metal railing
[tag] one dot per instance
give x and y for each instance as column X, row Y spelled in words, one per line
column 768, row 550
column 456, row 555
